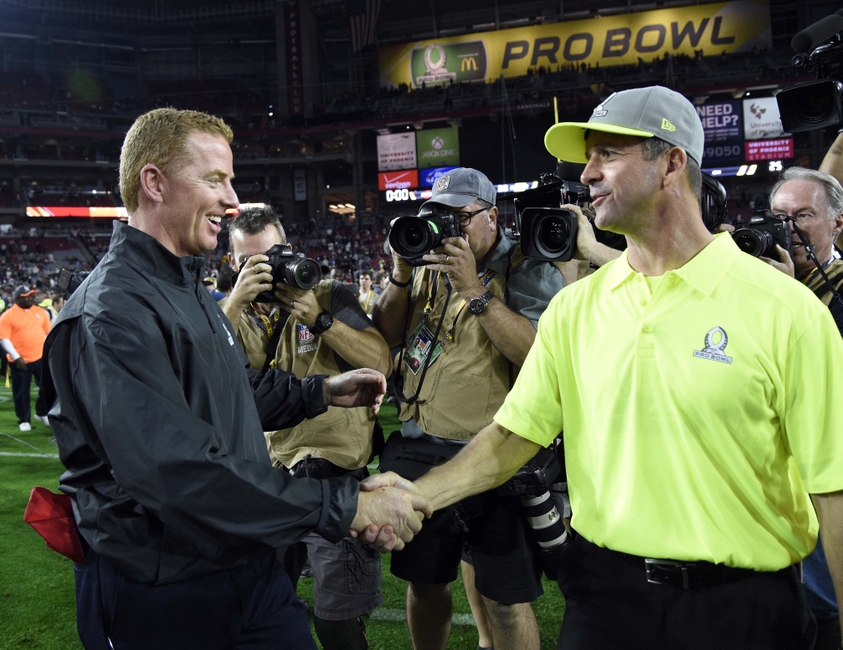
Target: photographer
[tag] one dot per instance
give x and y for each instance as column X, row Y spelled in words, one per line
column 468, row 313
column 316, row 331
column 812, row 204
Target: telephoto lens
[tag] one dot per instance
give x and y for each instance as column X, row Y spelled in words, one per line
column 544, row 520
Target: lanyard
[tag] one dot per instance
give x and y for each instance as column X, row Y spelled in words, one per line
column 431, row 298
column 267, row 323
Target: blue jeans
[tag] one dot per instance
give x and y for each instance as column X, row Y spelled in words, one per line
column 253, row 606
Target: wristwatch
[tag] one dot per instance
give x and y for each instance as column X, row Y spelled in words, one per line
column 323, row 322
column 478, row 305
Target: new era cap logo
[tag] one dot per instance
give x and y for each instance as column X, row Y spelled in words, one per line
column 442, row 183
column 667, row 126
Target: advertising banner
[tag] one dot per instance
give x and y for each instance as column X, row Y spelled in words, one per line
column 427, row 177
column 438, row 147
column 735, row 26
column 397, row 151
column 69, row 211
column 722, row 124
column 407, row 179
column 761, row 118
column 721, row 120
column 769, row 149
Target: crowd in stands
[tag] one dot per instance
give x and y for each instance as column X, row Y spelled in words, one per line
column 29, row 99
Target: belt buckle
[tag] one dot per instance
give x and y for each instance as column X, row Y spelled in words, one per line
column 651, row 565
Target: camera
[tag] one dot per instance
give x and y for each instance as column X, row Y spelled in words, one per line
column 542, row 503
column 414, row 237
column 816, row 104
column 761, row 234
column 69, row 281
column 289, row 268
column 548, row 231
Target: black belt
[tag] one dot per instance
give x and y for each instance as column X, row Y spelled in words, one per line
column 685, row 575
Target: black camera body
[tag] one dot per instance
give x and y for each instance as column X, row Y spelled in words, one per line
column 761, row 234
column 548, row 231
column 289, row 268
column 536, row 477
column 413, row 237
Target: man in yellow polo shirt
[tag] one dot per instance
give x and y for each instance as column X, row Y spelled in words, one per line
column 694, row 387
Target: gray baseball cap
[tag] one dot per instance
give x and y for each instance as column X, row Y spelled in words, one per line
column 461, row 186
column 650, row 112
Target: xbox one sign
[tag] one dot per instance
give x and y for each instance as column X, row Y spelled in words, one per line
column 438, row 147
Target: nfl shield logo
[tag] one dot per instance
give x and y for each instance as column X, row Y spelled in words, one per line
column 304, row 334
column 442, row 183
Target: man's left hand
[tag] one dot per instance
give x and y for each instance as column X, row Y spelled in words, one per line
column 362, row 387
column 456, row 260
column 784, row 263
column 301, row 304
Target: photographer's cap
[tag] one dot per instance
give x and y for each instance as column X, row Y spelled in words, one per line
column 649, row 112
column 461, row 186
column 23, row 291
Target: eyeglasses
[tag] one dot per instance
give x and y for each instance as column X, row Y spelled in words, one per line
column 801, row 218
column 466, row 217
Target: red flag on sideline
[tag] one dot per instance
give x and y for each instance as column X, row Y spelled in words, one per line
column 51, row 515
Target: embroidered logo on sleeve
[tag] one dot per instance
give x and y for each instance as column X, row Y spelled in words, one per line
column 715, row 345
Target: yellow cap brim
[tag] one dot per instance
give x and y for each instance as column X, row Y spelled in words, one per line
column 566, row 140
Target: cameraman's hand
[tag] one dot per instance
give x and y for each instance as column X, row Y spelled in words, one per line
column 301, row 304
column 255, row 276
column 585, row 232
column 19, row 363
column 783, row 264
column 588, row 248
column 456, row 260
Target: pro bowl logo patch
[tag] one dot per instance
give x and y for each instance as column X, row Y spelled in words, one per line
column 715, row 344
column 442, row 183
column 304, row 334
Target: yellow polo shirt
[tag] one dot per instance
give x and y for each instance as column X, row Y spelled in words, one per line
column 688, row 403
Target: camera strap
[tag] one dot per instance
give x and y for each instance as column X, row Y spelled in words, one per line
column 820, row 267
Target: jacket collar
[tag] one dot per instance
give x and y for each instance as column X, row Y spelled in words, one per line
column 143, row 251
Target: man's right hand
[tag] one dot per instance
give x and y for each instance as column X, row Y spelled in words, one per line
column 389, row 507
column 19, row 363
column 254, row 277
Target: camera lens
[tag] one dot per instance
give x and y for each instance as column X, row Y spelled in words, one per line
column 816, row 104
column 552, row 235
column 303, row 273
column 753, row 241
column 411, row 237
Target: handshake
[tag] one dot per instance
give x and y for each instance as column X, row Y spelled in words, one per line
column 390, row 510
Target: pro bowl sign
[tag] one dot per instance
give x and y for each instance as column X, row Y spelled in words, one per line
column 438, row 147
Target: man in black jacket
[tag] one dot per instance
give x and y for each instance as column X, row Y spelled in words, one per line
column 160, row 425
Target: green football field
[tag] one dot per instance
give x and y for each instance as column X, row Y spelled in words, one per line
column 37, row 606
